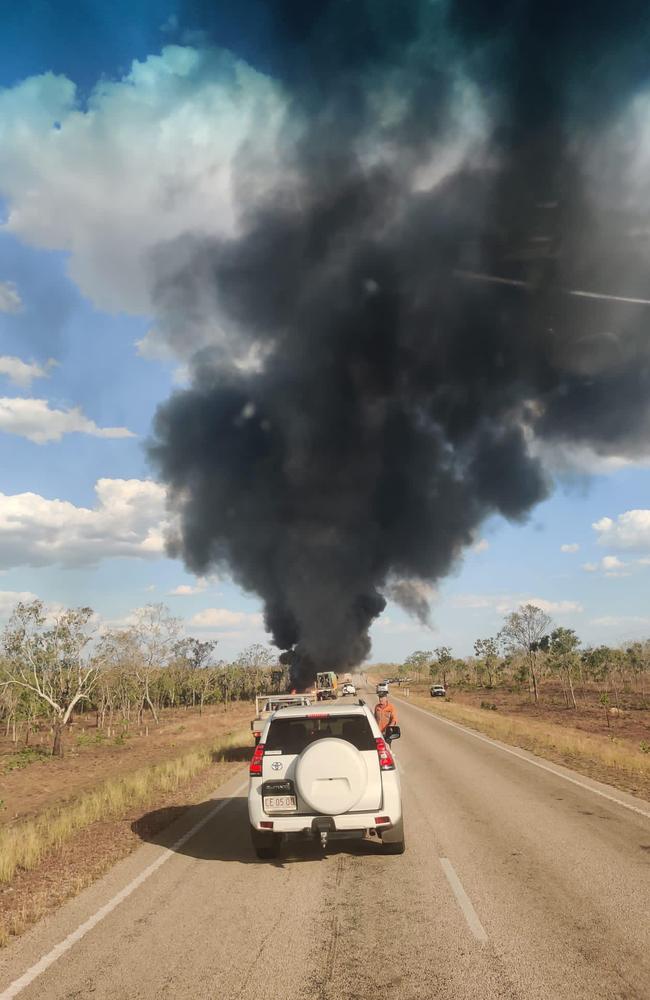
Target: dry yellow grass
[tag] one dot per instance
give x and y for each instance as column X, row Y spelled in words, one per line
column 543, row 737
column 24, row 845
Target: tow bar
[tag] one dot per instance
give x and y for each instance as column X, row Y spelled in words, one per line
column 321, row 827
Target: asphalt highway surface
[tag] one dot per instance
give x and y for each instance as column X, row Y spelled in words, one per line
column 520, row 879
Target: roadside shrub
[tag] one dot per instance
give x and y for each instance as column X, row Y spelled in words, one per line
column 23, row 758
column 90, row 739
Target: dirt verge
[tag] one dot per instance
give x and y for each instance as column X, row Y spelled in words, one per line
column 32, row 780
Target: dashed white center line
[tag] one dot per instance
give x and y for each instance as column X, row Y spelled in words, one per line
column 60, row 949
column 463, row 900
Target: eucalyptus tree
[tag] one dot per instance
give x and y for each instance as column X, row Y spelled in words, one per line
column 45, row 655
column 527, row 629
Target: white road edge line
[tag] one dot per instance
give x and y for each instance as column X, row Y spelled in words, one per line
column 463, row 900
column 60, row 949
column 520, row 756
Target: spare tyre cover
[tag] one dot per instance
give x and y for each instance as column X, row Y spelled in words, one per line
column 331, row 776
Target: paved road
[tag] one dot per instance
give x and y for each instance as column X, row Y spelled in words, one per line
column 516, row 883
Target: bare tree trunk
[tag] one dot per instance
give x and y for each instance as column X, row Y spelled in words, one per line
column 149, row 702
column 564, row 691
column 573, row 697
column 533, row 676
column 582, row 679
column 57, row 746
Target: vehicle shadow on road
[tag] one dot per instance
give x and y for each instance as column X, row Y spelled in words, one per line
column 226, row 837
column 236, row 754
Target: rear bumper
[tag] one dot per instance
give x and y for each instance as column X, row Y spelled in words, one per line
column 352, row 822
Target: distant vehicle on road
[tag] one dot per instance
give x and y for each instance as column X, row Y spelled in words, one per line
column 438, row 691
column 324, row 772
column 348, row 688
column 265, row 704
column 326, row 685
column 382, row 689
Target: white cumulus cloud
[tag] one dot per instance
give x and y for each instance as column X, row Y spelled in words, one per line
column 187, row 590
column 10, row 301
column 172, row 155
column 23, row 373
column 505, row 603
column 569, row 547
column 35, row 420
column 562, row 458
column 10, row 598
column 555, row 607
column 620, row 621
column 143, row 161
column 610, row 563
column 129, row 519
column 630, row 530
column 223, row 618
column 611, row 566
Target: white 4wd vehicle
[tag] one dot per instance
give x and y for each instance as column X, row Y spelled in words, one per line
column 324, row 772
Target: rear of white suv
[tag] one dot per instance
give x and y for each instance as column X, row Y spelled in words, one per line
column 324, row 773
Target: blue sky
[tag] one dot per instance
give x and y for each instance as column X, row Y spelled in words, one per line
column 101, row 103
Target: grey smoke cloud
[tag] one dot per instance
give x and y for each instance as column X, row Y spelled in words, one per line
column 365, row 402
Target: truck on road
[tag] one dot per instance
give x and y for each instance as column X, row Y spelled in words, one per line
column 326, row 685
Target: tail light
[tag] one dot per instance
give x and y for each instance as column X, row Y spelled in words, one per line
column 255, row 770
column 386, row 762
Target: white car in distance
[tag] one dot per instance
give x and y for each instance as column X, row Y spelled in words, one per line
column 324, row 773
column 348, row 688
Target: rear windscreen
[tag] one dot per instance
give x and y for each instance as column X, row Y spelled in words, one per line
column 273, row 706
column 293, row 735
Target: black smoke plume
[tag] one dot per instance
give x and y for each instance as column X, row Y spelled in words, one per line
column 414, row 341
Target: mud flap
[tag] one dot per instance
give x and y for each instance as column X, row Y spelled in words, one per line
column 393, row 836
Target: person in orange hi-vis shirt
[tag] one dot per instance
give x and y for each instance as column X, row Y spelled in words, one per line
column 385, row 713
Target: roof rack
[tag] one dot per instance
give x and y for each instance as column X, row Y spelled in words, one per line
column 361, row 701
